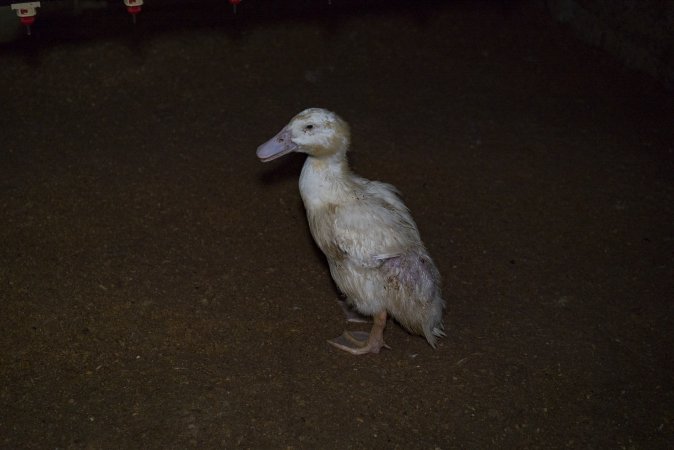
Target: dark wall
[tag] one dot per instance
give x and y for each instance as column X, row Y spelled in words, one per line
column 638, row 32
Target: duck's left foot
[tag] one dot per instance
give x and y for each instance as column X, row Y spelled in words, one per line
column 360, row 342
column 357, row 343
column 351, row 314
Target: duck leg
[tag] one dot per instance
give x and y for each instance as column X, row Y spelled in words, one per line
column 351, row 314
column 359, row 342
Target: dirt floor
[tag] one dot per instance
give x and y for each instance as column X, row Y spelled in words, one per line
column 160, row 289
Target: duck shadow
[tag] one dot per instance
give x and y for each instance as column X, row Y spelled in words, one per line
column 290, row 168
column 281, row 170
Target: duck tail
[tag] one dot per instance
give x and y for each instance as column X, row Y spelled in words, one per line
column 434, row 329
column 420, row 304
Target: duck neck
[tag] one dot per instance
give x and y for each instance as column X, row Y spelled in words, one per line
column 324, row 180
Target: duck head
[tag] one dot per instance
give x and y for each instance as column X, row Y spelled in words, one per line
column 317, row 132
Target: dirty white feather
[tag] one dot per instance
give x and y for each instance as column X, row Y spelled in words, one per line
column 372, row 245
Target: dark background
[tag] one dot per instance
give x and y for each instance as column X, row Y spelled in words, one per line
column 159, row 287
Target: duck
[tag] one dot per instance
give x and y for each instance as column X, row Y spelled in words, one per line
column 372, row 245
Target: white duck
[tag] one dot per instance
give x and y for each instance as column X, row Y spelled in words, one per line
column 367, row 234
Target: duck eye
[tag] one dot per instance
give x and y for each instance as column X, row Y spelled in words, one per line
column 309, row 127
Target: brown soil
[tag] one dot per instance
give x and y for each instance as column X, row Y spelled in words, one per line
column 159, row 287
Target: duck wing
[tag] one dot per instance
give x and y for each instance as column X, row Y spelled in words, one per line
column 371, row 228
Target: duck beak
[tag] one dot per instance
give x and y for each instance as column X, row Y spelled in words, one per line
column 279, row 145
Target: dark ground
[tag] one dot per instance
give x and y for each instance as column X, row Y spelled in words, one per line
column 160, row 288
